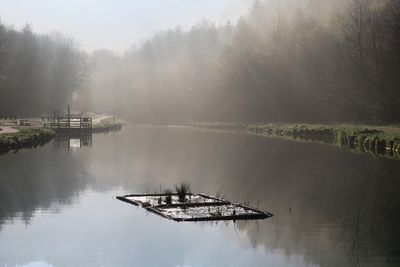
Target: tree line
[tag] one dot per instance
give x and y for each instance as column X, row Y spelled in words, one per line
column 285, row 60
column 39, row 73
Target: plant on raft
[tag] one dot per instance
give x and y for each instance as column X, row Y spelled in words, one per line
column 182, row 190
column 168, row 198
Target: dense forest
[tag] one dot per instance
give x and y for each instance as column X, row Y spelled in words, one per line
column 285, row 60
column 39, row 73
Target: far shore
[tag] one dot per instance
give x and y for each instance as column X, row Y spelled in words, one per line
column 368, row 139
column 376, row 140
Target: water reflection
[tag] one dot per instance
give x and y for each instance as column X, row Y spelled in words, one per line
column 38, row 179
column 73, row 140
column 331, row 207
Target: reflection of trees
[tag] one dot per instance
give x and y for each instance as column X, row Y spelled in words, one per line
column 328, row 201
column 38, row 179
column 374, row 222
column 331, row 206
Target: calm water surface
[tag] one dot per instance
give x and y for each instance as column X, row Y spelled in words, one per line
column 331, row 207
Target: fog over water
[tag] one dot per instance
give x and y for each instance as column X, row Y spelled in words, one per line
column 161, row 66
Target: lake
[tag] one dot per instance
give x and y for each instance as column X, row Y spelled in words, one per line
column 331, row 207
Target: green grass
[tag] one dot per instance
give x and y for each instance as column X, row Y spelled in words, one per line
column 386, row 133
column 30, row 137
column 379, row 140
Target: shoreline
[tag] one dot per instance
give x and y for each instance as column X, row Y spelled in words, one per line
column 366, row 139
column 13, row 137
column 25, row 138
column 381, row 141
column 106, row 123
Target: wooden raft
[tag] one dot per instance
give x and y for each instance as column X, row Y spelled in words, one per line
column 196, row 207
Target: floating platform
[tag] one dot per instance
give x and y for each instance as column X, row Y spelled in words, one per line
column 195, row 208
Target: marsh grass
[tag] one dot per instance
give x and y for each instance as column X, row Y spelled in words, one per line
column 168, row 198
column 182, row 190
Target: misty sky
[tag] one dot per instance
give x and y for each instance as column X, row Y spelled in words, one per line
column 115, row 24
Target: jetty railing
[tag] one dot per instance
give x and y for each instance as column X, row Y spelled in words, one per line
column 68, row 122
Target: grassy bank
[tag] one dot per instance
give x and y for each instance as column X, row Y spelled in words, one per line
column 377, row 140
column 108, row 124
column 25, row 138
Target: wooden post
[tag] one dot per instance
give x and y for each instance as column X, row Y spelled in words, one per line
column 69, row 118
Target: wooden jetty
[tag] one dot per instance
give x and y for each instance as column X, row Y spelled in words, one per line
column 196, row 207
column 68, row 122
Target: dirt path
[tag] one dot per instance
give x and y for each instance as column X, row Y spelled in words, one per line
column 7, row 130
